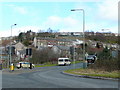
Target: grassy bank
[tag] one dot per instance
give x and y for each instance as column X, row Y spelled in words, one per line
column 45, row 65
column 92, row 72
column 50, row 64
column 75, row 62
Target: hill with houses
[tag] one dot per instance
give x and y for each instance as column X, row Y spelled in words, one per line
column 54, row 45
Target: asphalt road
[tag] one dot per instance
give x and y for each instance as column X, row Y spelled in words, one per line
column 51, row 77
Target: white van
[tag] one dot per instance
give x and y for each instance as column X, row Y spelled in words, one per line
column 64, row 61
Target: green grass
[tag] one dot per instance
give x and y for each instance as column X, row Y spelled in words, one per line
column 46, row 65
column 91, row 72
column 49, row 64
column 75, row 62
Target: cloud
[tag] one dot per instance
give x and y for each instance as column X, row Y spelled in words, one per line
column 50, row 0
column 52, row 21
column 57, row 22
column 101, row 15
column 5, row 33
column 10, row 5
column 19, row 9
column 16, row 31
column 70, row 22
column 108, row 10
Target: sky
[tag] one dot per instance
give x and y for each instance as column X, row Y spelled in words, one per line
column 40, row 15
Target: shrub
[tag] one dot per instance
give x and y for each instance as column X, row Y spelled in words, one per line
column 43, row 56
column 107, row 65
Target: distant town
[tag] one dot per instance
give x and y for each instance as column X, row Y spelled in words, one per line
column 28, row 45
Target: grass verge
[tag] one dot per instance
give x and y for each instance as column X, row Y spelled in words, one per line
column 49, row 64
column 92, row 72
column 45, row 65
column 74, row 62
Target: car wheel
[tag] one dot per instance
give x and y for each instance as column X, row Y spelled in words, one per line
column 18, row 67
column 87, row 65
column 30, row 68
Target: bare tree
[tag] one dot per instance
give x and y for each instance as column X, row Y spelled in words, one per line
column 44, row 55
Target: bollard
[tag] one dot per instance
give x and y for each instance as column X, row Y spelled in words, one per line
column 12, row 67
column 1, row 66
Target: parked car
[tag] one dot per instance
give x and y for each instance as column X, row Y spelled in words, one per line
column 91, row 59
column 25, row 65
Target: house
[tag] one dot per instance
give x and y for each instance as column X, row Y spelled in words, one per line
column 45, row 42
column 3, row 55
column 64, row 51
column 77, row 42
column 20, row 50
column 19, row 46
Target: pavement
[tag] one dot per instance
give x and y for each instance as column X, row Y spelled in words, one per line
column 19, row 71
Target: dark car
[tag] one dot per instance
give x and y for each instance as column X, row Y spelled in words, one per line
column 91, row 59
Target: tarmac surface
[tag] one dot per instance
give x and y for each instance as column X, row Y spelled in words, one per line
column 51, row 77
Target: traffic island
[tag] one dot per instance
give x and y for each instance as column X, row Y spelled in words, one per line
column 90, row 73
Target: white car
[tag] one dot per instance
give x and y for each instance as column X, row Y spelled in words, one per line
column 25, row 65
column 64, row 61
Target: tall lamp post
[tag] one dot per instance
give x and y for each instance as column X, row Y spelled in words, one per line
column 11, row 44
column 84, row 64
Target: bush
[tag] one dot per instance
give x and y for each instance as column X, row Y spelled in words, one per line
column 107, row 65
column 43, row 56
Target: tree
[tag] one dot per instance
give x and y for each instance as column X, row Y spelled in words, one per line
column 26, row 42
column 97, row 45
column 20, row 36
column 44, row 55
column 105, row 54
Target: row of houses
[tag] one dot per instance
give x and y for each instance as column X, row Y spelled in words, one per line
column 51, row 42
column 57, row 45
column 102, row 33
column 60, row 46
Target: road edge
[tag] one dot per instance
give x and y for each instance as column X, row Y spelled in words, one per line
column 93, row 77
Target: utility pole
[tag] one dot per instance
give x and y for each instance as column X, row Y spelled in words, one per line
column 11, row 45
column 84, row 61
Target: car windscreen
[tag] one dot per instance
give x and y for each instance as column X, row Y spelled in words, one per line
column 90, row 56
column 27, row 63
column 66, row 60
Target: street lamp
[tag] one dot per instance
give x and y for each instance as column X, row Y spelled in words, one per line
column 84, row 64
column 11, row 44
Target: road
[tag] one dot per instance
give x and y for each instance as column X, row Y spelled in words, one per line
column 51, row 77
